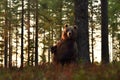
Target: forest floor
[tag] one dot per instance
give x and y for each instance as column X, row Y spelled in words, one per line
column 68, row 72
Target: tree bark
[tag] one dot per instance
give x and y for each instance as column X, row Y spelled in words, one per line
column 10, row 37
column 36, row 35
column 104, row 31
column 10, row 45
column 81, row 20
column 92, row 30
column 28, row 32
column 22, row 33
column 6, row 35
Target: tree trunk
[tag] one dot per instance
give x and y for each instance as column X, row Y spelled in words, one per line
column 22, row 33
column 36, row 35
column 28, row 32
column 92, row 30
column 17, row 40
column 6, row 35
column 81, row 20
column 10, row 45
column 60, row 16
column 104, row 31
column 10, row 37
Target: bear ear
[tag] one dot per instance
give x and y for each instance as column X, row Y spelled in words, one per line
column 75, row 27
column 66, row 25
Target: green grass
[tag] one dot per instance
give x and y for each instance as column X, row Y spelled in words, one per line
column 68, row 72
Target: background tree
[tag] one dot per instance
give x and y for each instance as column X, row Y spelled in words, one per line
column 91, row 21
column 104, row 31
column 6, row 34
column 28, row 28
column 1, row 32
column 36, row 34
column 22, row 34
column 10, row 33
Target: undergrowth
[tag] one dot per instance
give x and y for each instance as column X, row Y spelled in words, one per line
column 58, row 72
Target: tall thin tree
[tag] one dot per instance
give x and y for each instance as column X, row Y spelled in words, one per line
column 22, row 33
column 17, row 40
column 60, row 15
column 104, row 31
column 92, row 30
column 81, row 20
column 10, row 36
column 36, row 34
column 28, row 32
column 6, row 34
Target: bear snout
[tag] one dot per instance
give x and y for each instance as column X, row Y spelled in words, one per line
column 69, row 34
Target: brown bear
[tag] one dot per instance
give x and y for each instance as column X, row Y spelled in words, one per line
column 65, row 51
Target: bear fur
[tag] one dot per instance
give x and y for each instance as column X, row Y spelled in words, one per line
column 66, row 51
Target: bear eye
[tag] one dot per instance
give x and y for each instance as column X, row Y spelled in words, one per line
column 65, row 25
column 75, row 27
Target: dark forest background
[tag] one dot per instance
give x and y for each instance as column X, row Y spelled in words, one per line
column 29, row 27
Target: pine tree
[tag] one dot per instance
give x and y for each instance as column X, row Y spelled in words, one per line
column 28, row 21
column 81, row 20
column 104, row 31
column 36, row 34
column 6, row 34
column 22, row 34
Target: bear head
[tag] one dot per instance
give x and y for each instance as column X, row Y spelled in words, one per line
column 69, row 32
